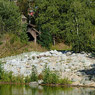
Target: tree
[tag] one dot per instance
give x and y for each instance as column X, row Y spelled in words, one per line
column 45, row 39
column 23, row 6
column 9, row 16
column 49, row 17
column 79, row 26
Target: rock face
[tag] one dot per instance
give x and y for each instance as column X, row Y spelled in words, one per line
column 77, row 67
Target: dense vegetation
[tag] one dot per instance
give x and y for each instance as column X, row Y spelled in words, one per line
column 10, row 18
column 13, row 37
column 69, row 21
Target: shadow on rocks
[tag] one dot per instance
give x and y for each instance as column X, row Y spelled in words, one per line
column 90, row 73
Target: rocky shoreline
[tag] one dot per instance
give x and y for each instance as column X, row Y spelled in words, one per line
column 78, row 67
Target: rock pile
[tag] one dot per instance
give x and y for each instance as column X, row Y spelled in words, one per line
column 76, row 66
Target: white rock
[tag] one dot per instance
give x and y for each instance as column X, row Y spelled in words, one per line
column 42, row 64
column 67, row 70
column 47, row 54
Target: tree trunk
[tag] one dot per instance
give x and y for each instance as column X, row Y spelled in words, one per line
column 54, row 40
column 35, row 40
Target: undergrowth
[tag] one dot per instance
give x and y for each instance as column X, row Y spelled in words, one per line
column 48, row 77
column 53, row 77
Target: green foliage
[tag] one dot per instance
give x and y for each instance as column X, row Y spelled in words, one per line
column 65, row 81
column 1, row 25
column 34, row 76
column 45, row 39
column 70, row 20
column 1, row 70
column 6, row 77
column 23, row 6
column 9, row 77
column 49, row 19
column 14, row 38
column 50, row 77
column 9, row 16
column 27, row 79
column 17, row 79
column 40, row 77
column 79, row 25
column 23, row 36
column 1, row 43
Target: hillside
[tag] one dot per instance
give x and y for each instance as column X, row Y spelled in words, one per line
column 9, row 47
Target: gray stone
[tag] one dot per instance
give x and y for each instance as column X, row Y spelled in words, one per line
column 87, row 82
column 67, row 70
column 68, row 53
column 40, row 81
column 33, row 84
column 74, row 80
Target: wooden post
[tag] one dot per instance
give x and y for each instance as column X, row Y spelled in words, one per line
column 35, row 39
column 53, row 40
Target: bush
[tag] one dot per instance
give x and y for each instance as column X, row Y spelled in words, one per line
column 1, row 43
column 45, row 39
column 49, row 76
column 1, row 70
column 40, row 77
column 18, row 79
column 65, row 81
column 9, row 77
column 23, row 36
column 10, row 17
column 14, row 38
column 34, row 76
column 27, row 79
column 52, row 77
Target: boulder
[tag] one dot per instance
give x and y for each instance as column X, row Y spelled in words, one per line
column 33, row 84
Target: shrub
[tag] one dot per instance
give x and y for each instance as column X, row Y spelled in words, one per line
column 1, row 43
column 1, row 70
column 50, row 76
column 23, row 36
column 27, row 79
column 45, row 39
column 14, row 38
column 34, row 76
column 9, row 77
column 65, row 81
column 40, row 77
column 10, row 17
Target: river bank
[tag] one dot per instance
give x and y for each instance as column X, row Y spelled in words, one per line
column 77, row 67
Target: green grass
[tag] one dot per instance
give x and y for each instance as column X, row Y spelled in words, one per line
column 61, row 46
column 13, row 46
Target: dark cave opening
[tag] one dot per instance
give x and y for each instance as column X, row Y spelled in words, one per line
column 30, row 37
